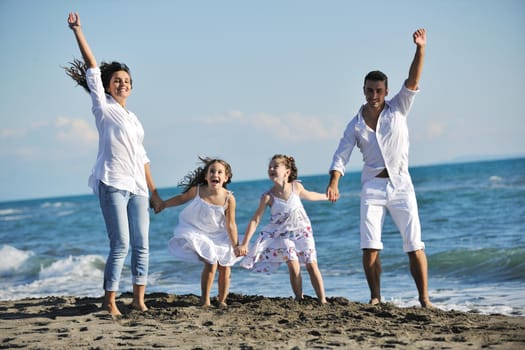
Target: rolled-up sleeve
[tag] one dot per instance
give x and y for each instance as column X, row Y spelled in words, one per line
column 145, row 159
column 96, row 88
column 345, row 148
column 404, row 100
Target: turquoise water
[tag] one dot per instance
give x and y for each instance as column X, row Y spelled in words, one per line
column 472, row 215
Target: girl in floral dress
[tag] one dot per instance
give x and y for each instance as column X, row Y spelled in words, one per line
column 288, row 237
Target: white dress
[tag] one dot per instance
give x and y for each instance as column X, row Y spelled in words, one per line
column 288, row 236
column 201, row 234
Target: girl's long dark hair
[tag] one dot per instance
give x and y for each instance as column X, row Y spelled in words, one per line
column 77, row 71
column 198, row 176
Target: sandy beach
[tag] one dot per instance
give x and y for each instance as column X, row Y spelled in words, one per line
column 250, row 322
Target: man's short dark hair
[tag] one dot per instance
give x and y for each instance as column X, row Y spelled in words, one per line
column 376, row 75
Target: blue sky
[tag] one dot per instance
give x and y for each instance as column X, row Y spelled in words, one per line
column 243, row 80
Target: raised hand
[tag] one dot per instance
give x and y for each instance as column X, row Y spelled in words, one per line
column 73, row 20
column 420, row 37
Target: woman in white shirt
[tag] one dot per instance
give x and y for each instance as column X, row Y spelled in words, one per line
column 121, row 176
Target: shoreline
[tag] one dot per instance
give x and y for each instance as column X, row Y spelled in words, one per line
column 249, row 322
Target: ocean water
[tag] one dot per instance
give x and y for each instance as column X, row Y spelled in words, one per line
column 472, row 216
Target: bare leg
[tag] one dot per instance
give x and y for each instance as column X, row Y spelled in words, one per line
column 224, row 284
column 372, row 267
column 295, row 279
column 419, row 270
column 138, row 297
column 317, row 281
column 207, row 277
column 110, row 303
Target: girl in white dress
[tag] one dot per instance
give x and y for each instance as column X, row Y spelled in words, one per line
column 207, row 231
column 288, row 237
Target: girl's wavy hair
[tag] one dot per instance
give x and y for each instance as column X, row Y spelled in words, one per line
column 77, row 71
column 198, row 176
column 289, row 163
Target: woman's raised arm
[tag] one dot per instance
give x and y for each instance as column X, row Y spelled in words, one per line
column 74, row 23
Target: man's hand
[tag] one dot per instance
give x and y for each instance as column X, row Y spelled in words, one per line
column 332, row 192
column 420, row 37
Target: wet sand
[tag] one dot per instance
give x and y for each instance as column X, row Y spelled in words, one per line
column 249, row 322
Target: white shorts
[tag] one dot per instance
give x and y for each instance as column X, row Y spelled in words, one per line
column 377, row 196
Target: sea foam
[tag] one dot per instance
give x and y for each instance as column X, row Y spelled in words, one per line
column 74, row 275
column 11, row 259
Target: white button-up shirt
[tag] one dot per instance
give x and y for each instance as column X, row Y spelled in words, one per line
column 387, row 147
column 121, row 155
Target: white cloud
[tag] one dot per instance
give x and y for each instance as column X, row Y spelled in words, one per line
column 288, row 126
column 434, row 129
column 39, row 124
column 68, row 129
column 46, row 139
column 12, row 133
column 25, row 152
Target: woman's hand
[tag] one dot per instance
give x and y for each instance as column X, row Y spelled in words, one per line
column 157, row 203
column 73, row 20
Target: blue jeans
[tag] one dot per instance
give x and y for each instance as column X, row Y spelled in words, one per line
column 127, row 221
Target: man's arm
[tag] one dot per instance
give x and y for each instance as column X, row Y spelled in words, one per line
column 416, row 68
column 340, row 159
column 332, row 191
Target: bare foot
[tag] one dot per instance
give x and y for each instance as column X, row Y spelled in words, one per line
column 112, row 309
column 374, row 301
column 223, row 305
column 139, row 306
column 426, row 304
column 205, row 303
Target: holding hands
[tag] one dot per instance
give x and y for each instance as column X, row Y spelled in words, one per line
column 241, row 250
column 332, row 192
column 156, row 202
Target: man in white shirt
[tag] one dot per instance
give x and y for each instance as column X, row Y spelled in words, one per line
column 380, row 131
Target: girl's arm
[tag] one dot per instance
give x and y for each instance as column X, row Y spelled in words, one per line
column 74, row 23
column 254, row 222
column 309, row 195
column 180, row 198
column 231, row 225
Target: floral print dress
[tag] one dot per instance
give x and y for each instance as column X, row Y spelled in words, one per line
column 288, row 236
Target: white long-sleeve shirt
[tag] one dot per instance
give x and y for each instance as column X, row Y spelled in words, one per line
column 121, row 155
column 387, row 147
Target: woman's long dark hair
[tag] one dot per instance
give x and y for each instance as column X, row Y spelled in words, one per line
column 77, row 71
